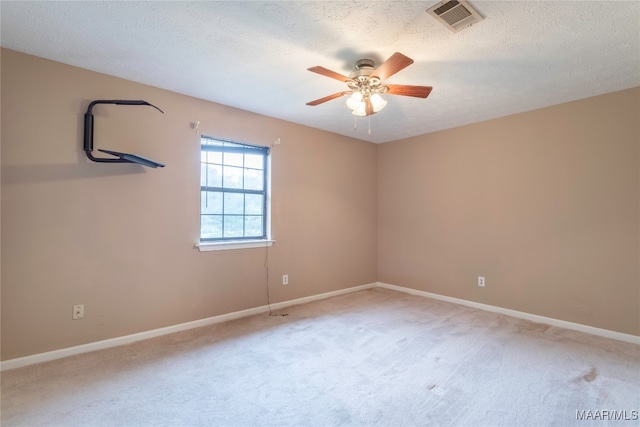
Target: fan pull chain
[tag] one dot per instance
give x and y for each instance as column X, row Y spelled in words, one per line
column 355, row 123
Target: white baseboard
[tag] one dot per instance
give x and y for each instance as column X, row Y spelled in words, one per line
column 519, row 314
column 304, row 300
column 128, row 339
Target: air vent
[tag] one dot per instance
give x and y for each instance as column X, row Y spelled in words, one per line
column 455, row 14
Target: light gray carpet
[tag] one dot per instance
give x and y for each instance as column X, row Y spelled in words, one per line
column 375, row 357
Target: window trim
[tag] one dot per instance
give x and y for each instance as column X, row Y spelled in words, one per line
column 233, row 244
column 213, row 244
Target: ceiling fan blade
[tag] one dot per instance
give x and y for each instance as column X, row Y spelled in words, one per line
column 407, row 90
column 395, row 63
column 328, row 73
column 325, row 99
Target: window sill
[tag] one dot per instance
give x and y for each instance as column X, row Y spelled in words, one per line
column 238, row 244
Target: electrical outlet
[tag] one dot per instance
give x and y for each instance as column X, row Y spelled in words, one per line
column 481, row 281
column 78, row 311
column 285, row 279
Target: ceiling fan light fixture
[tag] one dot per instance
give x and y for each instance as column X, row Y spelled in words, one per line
column 377, row 102
column 355, row 100
column 357, row 103
column 361, row 110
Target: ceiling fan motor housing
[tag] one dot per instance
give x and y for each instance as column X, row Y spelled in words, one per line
column 362, row 80
column 363, row 69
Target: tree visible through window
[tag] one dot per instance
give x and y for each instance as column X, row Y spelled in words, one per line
column 233, row 190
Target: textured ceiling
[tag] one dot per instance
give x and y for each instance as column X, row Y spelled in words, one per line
column 254, row 55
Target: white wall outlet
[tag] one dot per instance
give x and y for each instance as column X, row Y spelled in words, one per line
column 285, row 279
column 78, row 311
column 481, row 281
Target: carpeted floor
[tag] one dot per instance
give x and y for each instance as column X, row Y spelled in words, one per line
column 371, row 358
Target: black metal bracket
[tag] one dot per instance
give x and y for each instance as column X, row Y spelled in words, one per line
column 120, row 157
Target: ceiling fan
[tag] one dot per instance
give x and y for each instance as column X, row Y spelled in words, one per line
column 366, row 84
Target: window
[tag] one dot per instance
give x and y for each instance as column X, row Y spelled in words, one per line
column 233, row 191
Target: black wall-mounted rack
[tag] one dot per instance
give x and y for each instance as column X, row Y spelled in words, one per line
column 119, row 157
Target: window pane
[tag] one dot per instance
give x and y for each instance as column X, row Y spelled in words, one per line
column 211, row 173
column 253, row 179
column 253, row 204
column 212, row 176
column 232, row 177
column 253, row 161
column 214, row 157
column 253, row 226
column 210, row 202
column 233, row 203
column 211, row 227
column 233, row 226
column 233, row 159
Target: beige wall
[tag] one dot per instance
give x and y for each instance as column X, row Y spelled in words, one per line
column 545, row 204
column 120, row 238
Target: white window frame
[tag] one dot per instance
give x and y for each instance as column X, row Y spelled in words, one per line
column 241, row 243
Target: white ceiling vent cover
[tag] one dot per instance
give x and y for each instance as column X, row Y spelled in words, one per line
column 455, row 14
